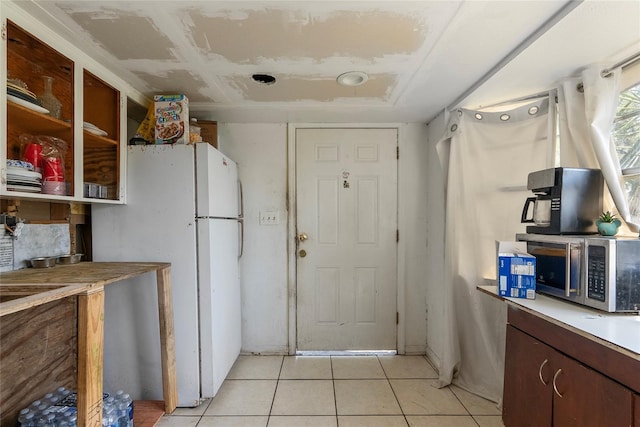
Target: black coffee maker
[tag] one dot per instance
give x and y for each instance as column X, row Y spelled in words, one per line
column 567, row 201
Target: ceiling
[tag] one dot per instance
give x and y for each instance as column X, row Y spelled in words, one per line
column 420, row 56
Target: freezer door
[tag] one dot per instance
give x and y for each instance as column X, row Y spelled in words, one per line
column 220, row 308
column 216, row 183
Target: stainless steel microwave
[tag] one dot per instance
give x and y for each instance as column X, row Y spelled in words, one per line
column 599, row 272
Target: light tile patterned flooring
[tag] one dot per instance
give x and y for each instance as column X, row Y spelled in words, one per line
column 344, row 391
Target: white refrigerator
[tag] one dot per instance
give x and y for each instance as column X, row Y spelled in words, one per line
column 184, row 206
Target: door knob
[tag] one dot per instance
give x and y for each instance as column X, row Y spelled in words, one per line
column 302, row 253
column 302, row 237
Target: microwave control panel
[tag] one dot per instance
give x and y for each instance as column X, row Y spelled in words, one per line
column 596, row 273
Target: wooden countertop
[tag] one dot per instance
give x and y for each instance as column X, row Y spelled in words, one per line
column 31, row 287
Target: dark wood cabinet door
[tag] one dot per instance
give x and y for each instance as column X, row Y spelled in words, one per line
column 636, row 410
column 527, row 401
column 588, row 398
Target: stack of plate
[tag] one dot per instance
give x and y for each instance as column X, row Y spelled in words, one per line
column 23, row 96
column 22, row 179
column 91, row 128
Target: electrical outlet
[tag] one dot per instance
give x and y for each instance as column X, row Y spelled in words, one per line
column 269, row 217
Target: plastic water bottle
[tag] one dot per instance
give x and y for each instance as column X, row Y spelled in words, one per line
column 34, row 405
column 41, row 416
column 22, row 414
column 109, row 415
column 122, row 413
column 126, row 399
column 121, row 396
column 72, row 420
column 49, row 421
column 28, row 420
column 53, row 400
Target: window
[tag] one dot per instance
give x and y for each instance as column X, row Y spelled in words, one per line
column 626, row 136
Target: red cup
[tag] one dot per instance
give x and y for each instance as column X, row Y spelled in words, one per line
column 52, row 169
column 33, row 155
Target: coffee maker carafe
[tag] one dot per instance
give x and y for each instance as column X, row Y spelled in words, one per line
column 567, row 201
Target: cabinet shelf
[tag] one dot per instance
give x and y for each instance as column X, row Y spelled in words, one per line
column 37, row 123
column 96, row 141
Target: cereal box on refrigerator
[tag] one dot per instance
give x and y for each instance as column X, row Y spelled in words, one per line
column 172, row 119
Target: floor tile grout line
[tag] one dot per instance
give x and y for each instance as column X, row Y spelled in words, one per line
column 275, row 391
column 394, row 392
column 335, row 395
column 460, row 400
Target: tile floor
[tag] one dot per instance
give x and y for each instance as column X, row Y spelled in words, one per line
column 345, row 391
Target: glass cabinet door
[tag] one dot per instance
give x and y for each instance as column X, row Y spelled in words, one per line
column 101, row 139
column 40, row 111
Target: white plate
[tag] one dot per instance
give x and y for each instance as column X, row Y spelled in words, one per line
column 89, row 125
column 27, row 104
column 19, row 164
column 18, row 179
column 23, row 188
column 23, row 173
column 23, row 181
column 96, row 131
column 21, row 89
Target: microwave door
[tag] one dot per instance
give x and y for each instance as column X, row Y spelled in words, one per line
column 567, row 272
column 557, row 268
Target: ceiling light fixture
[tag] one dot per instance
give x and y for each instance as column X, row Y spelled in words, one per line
column 352, row 78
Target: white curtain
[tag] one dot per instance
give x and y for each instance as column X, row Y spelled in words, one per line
column 586, row 121
column 487, row 157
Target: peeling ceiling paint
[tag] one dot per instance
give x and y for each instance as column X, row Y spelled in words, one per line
column 420, row 55
column 126, row 35
column 185, row 81
column 300, row 88
column 272, row 33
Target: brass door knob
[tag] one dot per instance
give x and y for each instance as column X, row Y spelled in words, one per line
column 302, row 253
column 302, row 237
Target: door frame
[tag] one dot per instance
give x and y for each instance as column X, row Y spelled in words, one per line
column 292, row 232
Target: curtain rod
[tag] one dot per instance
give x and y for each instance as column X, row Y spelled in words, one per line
column 627, row 62
column 539, row 95
column 546, row 26
column 622, row 64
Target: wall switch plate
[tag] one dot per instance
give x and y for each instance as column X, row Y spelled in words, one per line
column 269, row 217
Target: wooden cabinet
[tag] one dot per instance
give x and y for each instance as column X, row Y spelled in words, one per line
column 91, row 121
column 101, row 150
column 527, row 391
column 543, row 387
column 636, row 410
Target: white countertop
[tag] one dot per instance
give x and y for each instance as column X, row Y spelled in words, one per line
column 617, row 330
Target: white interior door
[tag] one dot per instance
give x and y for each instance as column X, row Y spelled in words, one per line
column 346, row 197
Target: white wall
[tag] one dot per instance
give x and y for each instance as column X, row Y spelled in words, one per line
column 435, row 243
column 261, row 153
column 412, row 248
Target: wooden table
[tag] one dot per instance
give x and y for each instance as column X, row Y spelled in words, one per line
column 86, row 281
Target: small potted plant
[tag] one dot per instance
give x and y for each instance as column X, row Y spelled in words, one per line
column 608, row 224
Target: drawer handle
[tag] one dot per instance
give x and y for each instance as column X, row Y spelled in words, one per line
column 555, row 388
column 540, row 371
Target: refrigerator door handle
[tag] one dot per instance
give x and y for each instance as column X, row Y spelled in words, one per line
column 241, row 199
column 241, row 243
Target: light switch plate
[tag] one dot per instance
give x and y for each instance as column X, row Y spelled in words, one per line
column 269, row 217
